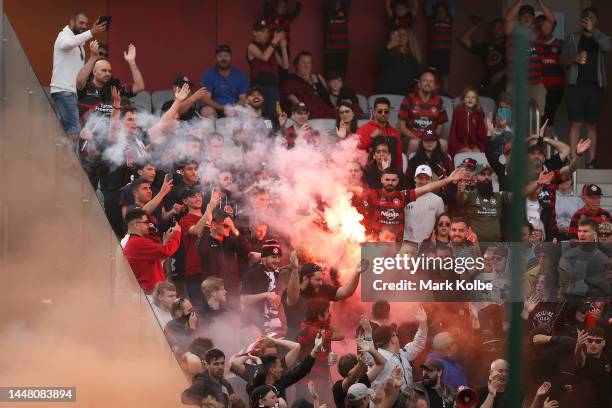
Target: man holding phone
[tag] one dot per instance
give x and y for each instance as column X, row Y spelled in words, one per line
column 68, row 59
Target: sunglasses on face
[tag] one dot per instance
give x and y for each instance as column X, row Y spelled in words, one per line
column 382, row 111
column 444, row 224
column 594, row 341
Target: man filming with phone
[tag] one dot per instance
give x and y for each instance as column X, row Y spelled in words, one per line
column 68, row 59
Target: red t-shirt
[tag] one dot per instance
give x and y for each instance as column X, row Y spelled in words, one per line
column 192, row 259
column 391, row 136
column 145, row 256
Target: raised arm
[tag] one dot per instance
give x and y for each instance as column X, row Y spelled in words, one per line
column 293, row 287
column 511, row 15
column 456, row 175
column 348, row 289
column 379, row 360
column 198, row 227
column 168, row 117
column 150, row 207
column 550, row 17
column 81, row 79
column 579, row 349
column 67, row 43
column 283, row 58
column 419, row 341
column 294, row 350
column 268, row 52
column 466, row 38
column 137, row 80
column 582, row 147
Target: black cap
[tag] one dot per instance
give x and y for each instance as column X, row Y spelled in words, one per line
column 468, row 162
column 299, row 107
column 223, row 48
column 260, row 25
column 538, row 147
column 591, row 190
column 526, row 9
column 260, row 392
column 433, row 365
column 180, row 80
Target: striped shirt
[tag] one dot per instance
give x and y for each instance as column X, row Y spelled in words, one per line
column 421, row 115
column 599, row 215
column 548, row 54
column 441, row 33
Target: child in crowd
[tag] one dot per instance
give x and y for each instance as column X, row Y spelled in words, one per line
column 279, row 17
column 336, row 36
column 468, row 132
column 440, row 37
column 400, row 15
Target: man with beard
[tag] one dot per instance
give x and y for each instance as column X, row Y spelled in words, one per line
column 210, row 385
column 437, row 394
column 386, row 205
column 379, row 129
column 96, row 94
column 591, row 196
column 68, row 57
column 582, row 269
column 259, row 291
column 463, row 242
column 305, row 283
column 483, row 207
column 227, row 85
column 422, row 110
column 493, row 395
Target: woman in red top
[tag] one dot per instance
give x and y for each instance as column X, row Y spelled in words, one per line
column 468, row 132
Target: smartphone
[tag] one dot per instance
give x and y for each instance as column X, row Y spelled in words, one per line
column 106, row 19
column 279, row 110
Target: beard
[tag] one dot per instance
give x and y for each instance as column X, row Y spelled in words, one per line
column 484, row 188
column 430, row 382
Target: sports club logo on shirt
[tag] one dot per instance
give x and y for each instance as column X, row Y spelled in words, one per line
column 390, row 214
column 423, row 122
column 396, row 201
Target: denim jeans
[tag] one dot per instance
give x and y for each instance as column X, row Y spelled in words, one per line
column 68, row 109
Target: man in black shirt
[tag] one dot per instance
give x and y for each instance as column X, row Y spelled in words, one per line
column 594, row 367
column 210, row 384
column 306, row 282
column 583, row 54
column 492, row 55
column 493, row 395
column 259, row 291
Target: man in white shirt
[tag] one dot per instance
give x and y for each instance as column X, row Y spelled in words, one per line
column 421, row 214
column 68, row 59
column 566, row 205
column 386, row 340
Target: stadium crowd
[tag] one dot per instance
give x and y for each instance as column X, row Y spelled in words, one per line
column 242, row 221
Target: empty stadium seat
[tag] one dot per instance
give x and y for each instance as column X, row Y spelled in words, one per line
column 448, row 106
column 362, row 122
column 159, row 97
column 142, row 101
column 393, row 117
column 363, row 104
column 396, row 100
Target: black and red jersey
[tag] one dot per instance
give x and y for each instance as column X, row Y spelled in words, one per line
column 548, row 200
column 421, row 115
column 311, row 137
column 599, row 215
column 395, row 22
column 336, row 32
column 387, row 208
column 441, row 35
column 548, row 54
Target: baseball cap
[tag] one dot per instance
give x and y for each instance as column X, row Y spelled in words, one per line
column 605, row 228
column 591, row 190
column 429, row 135
column 482, row 168
column 433, row 365
column 260, row 25
column 180, row 80
column 468, row 162
column 260, row 392
column 526, row 9
column 537, row 147
column 359, row 391
column 189, row 192
column 223, row 48
column 423, row 169
column 299, row 107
